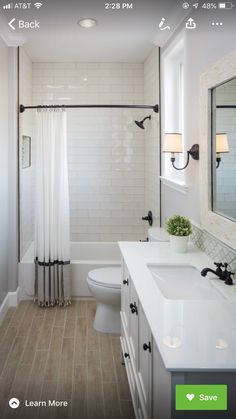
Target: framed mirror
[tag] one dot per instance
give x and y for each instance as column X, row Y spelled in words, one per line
column 223, row 155
column 215, row 182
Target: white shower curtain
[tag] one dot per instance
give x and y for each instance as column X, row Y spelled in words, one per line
column 52, row 235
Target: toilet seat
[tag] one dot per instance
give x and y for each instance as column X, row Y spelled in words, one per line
column 106, row 277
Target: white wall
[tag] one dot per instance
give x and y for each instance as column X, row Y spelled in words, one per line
column 26, row 174
column 199, row 52
column 151, row 96
column 106, row 150
column 3, row 170
column 13, row 170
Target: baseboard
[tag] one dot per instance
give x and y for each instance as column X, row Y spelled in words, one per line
column 14, row 297
column 11, row 300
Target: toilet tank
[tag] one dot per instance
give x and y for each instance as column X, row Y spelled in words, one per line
column 158, row 234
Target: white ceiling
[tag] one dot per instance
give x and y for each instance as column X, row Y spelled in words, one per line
column 120, row 36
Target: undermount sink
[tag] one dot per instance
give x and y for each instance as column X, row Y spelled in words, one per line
column 183, row 282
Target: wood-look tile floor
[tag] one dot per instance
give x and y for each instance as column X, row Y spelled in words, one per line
column 56, row 354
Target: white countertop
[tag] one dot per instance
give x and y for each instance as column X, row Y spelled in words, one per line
column 190, row 335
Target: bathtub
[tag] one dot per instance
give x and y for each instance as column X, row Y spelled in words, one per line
column 84, row 257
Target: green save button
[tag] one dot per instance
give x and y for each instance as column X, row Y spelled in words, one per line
column 201, row 397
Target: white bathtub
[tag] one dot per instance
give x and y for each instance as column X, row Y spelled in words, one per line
column 84, row 257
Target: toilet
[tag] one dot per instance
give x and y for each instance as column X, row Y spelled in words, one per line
column 105, row 286
column 158, row 234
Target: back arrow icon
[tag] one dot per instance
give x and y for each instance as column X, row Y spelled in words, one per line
column 10, row 24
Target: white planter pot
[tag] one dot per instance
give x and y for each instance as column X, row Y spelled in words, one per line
column 179, row 244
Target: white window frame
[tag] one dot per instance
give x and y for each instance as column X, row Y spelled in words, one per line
column 173, row 111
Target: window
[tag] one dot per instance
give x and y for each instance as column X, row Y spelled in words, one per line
column 173, row 105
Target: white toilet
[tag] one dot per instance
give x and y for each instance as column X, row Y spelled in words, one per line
column 105, row 286
column 158, row 234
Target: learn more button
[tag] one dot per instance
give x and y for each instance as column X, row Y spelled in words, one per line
column 201, row 397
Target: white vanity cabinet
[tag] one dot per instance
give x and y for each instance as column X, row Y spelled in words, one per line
column 144, row 363
column 161, row 387
column 149, row 320
column 141, row 357
column 129, row 314
column 125, row 298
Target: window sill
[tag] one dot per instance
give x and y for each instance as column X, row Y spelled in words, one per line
column 174, row 184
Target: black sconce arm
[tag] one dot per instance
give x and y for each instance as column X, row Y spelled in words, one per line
column 218, row 160
column 193, row 152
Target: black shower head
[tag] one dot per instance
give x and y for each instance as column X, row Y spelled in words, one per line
column 140, row 123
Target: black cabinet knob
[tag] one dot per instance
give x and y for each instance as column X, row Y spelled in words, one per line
column 147, row 346
column 126, row 281
column 133, row 308
column 126, row 355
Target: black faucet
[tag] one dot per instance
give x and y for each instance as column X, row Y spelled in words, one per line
column 224, row 275
column 148, row 218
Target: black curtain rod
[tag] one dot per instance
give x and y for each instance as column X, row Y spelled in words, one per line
column 154, row 108
column 226, row 106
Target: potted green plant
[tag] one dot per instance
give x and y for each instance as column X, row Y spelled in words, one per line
column 179, row 229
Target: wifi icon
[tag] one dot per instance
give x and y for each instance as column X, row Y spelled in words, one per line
column 38, row 5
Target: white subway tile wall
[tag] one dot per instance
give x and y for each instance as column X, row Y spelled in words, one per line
column 106, row 150
column 26, row 174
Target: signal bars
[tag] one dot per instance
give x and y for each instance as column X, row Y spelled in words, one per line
column 8, row 6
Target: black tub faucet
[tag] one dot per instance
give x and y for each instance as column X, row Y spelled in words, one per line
column 149, row 218
column 224, row 275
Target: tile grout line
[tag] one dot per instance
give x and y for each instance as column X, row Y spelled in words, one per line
column 73, row 362
column 5, row 318
column 103, row 394
column 73, row 367
column 117, row 382
column 19, row 361
column 48, row 351
column 11, row 345
column 8, row 355
column 26, row 388
column 86, row 323
column 10, row 349
column 31, row 370
column 58, row 375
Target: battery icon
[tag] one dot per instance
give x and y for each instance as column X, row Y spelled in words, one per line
column 223, row 6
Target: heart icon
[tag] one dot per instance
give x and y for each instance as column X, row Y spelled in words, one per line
column 190, row 397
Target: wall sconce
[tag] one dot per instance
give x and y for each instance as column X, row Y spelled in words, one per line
column 222, row 146
column 173, row 144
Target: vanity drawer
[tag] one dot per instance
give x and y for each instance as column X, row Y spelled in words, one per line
column 129, row 371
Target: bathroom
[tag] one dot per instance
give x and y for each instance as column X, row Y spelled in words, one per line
column 101, row 81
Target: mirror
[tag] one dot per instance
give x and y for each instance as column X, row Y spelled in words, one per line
column 223, row 156
column 216, row 76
